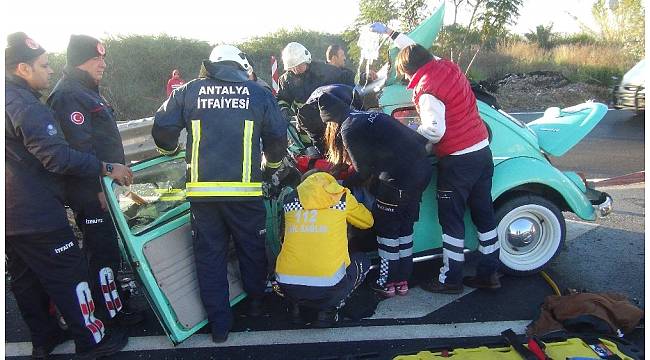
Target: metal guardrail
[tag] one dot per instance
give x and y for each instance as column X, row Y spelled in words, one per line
column 137, row 140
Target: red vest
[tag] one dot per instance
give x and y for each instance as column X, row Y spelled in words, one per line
column 444, row 80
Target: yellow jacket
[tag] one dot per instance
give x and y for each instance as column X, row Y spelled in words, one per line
column 315, row 248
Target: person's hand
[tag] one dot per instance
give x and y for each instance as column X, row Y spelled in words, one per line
column 379, row 28
column 372, row 75
column 122, row 174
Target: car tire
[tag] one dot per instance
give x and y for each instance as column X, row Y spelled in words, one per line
column 544, row 233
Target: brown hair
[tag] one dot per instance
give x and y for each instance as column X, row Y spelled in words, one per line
column 336, row 152
column 411, row 58
column 332, row 51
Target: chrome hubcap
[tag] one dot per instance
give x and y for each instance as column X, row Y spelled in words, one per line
column 523, row 234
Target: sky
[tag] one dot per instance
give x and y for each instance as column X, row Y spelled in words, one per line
column 52, row 22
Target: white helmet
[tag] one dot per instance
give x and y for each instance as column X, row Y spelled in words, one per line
column 295, row 54
column 230, row 53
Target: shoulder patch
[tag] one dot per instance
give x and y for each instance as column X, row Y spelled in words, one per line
column 51, row 130
column 77, row 118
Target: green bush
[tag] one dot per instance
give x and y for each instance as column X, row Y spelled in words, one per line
column 138, row 67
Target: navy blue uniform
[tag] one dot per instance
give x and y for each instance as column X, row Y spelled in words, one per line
column 296, row 89
column 381, row 146
column 230, row 121
column 89, row 126
column 309, row 115
column 43, row 257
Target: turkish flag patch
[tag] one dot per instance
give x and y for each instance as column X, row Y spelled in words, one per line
column 77, row 118
column 31, row 44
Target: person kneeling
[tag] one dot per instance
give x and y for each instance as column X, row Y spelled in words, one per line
column 314, row 268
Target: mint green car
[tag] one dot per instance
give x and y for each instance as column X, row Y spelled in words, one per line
column 153, row 220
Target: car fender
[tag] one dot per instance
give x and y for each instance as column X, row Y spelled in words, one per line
column 522, row 171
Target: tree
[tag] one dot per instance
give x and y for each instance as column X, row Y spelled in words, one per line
column 457, row 4
column 623, row 21
column 376, row 10
column 496, row 15
column 411, row 13
column 542, row 36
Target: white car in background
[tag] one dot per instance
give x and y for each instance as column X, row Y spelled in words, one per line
column 630, row 93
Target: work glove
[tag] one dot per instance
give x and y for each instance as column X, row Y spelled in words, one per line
column 379, row 28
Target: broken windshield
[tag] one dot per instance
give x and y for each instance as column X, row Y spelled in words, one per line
column 156, row 195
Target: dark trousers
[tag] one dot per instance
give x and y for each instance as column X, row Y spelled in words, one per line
column 466, row 180
column 326, row 297
column 213, row 224
column 395, row 212
column 51, row 266
column 101, row 249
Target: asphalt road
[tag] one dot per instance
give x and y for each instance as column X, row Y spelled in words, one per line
column 607, row 255
column 614, row 147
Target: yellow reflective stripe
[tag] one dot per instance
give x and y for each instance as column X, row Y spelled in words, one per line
column 168, row 191
column 170, row 194
column 172, row 198
column 224, row 193
column 273, row 165
column 232, row 184
column 248, row 150
column 224, row 189
column 196, row 141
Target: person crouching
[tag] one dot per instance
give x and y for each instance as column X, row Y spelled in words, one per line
column 314, row 268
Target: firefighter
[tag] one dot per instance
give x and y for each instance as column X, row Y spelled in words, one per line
column 43, row 256
column 301, row 77
column 314, row 268
column 459, row 138
column 88, row 123
column 379, row 146
column 228, row 117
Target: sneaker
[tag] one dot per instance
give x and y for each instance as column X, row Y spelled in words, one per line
column 43, row 352
column 436, row 286
column 220, row 337
column 255, row 307
column 402, row 288
column 491, row 282
column 326, row 318
column 386, row 291
column 111, row 344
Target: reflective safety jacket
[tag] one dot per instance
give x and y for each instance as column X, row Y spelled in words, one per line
column 36, row 154
column 227, row 118
column 315, row 247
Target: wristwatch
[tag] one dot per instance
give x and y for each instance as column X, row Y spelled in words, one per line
column 109, row 168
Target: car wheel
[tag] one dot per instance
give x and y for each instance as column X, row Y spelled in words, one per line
column 531, row 232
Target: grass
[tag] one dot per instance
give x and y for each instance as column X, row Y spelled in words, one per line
column 591, row 63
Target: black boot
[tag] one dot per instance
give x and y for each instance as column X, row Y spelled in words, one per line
column 483, row 282
column 437, row 287
column 294, row 314
column 326, row 318
column 111, row 344
column 43, row 352
column 255, row 307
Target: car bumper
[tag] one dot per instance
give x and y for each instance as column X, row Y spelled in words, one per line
column 601, row 201
column 629, row 97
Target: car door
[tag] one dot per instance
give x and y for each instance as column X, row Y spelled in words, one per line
column 152, row 217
